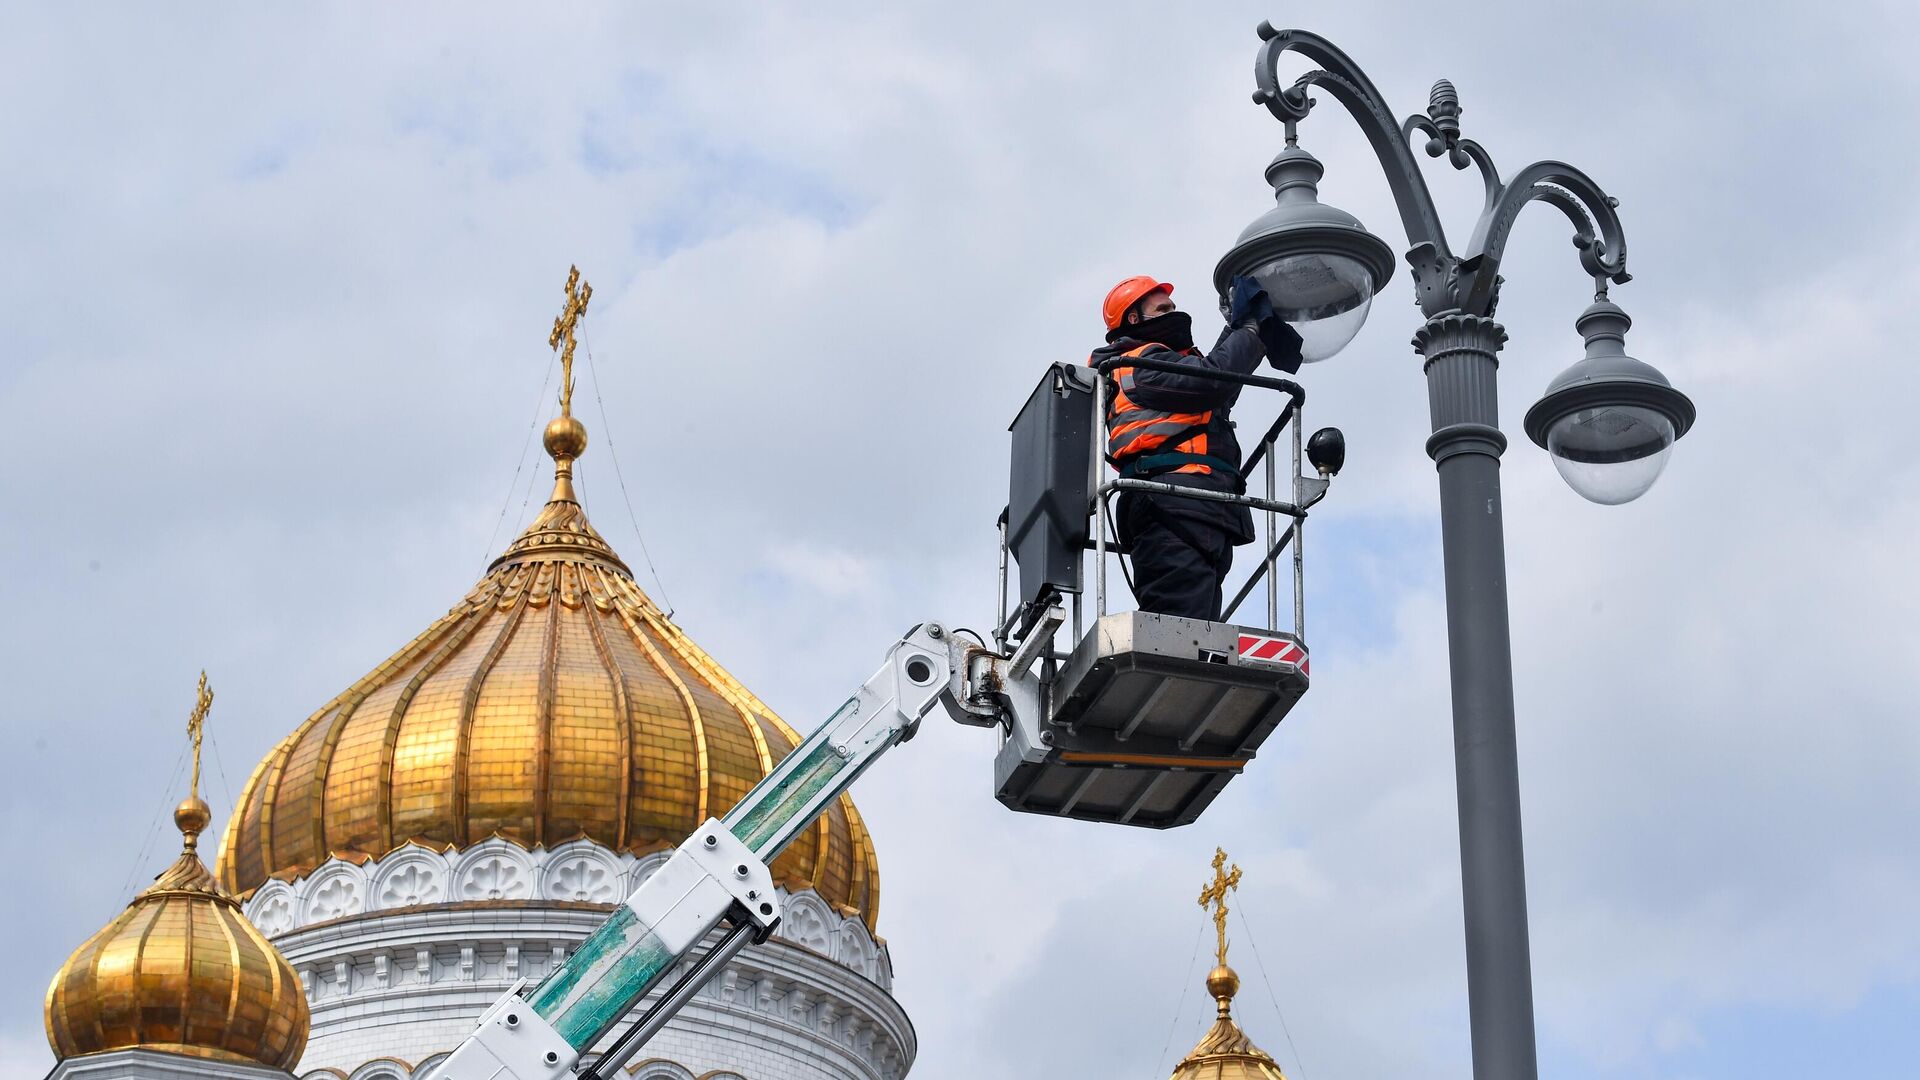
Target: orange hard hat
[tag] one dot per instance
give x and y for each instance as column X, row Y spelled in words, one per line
column 1128, row 293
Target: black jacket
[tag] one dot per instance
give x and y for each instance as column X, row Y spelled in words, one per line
column 1238, row 350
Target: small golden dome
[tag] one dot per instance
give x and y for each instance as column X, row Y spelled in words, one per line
column 180, row 971
column 555, row 701
column 1225, row 1052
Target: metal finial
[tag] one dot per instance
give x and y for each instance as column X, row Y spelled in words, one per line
column 1214, row 896
column 196, row 724
column 578, row 293
column 192, row 815
column 566, row 438
column 1443, row 107
column 1443, row 104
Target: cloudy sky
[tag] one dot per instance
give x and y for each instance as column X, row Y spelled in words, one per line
column 274, row 294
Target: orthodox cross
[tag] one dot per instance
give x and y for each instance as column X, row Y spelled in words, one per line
column 195, row 723
column 1215, row 896
column 578, row 293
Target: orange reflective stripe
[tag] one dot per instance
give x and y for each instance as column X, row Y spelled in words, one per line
column 1153, row 436
column 1134, row 430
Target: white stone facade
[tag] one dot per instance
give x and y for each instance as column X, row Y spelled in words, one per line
column 399, row 956
column 141, row 1064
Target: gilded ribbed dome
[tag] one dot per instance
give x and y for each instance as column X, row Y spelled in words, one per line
column 180, row 971
column 555, row 701
column 1225, row 1052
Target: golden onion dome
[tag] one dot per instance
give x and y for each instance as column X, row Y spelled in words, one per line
column 180, row 971
column 1225, row 1052
column 555, row 701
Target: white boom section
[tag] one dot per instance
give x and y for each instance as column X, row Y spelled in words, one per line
column 719, row 874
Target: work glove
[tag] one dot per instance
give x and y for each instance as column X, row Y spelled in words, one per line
column 1281, row 340
column 1246, row 302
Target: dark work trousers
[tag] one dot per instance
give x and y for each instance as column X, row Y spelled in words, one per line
column 1179, row 564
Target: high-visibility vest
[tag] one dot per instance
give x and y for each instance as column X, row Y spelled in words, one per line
column 1147, row 442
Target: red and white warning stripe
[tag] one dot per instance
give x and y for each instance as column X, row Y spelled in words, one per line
column 1273, row 650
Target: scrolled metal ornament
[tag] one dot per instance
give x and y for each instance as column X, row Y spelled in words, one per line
column 1443, row 281
column 1441, row 124
column 1598, row 234
column 1342, row 78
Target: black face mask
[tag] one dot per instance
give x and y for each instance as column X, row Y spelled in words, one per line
column 1174, row 330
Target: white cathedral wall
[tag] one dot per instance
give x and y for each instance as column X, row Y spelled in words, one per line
column 399, row 956
column 142, row 1064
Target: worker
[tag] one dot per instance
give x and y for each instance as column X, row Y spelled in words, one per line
column 1174, row 427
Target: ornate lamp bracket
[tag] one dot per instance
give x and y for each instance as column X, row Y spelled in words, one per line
column 1443, row 282
column 1597, row 232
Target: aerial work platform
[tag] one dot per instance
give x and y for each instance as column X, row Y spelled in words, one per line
column 1145, row 717
column 1150, row 717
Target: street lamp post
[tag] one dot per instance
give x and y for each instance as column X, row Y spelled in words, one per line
column 1609, row 421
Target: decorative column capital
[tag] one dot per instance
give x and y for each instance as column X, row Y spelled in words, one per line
column 1462, row 361
column 1445, row 335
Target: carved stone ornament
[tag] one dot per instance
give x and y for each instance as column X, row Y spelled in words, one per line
column 336, row 890
column 494, row 870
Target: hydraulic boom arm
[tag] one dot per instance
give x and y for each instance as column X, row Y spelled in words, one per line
column 718, row 875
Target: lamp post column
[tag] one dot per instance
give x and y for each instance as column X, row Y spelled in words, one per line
column 1461, row 355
